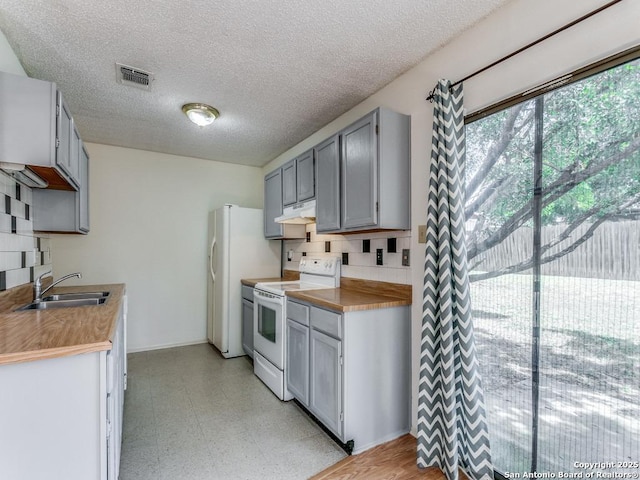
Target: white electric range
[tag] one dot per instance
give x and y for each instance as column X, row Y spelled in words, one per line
column 269, row 317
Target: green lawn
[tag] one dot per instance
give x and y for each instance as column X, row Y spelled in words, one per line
column 589, row 369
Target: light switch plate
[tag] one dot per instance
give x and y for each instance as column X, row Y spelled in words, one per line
column 405, row 257
column 422, row 234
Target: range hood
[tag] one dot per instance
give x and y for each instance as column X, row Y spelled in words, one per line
column 23, row 175
column 299, row 213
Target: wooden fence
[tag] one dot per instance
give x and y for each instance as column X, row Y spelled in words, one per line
column 613, row 252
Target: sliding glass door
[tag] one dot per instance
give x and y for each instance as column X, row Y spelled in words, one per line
column 553, row 224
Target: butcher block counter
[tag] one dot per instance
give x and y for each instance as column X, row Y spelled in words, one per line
column 353, row 295
column 357, row 295
column 41, row 334
column 287, row 276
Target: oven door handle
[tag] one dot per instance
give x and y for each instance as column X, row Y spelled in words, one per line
column 259, row 297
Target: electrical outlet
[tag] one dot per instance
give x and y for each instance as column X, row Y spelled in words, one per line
column 405, row 257
column 391, row 245
column 378, row 256
column 345, row 258
column 422, row 234
column 366, row 246
column 327, row 247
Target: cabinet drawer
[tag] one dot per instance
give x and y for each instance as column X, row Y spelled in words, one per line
column 327, row 322
column 298, row 312
column 247, row 293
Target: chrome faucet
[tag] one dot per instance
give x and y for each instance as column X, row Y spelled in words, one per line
column 37, row 285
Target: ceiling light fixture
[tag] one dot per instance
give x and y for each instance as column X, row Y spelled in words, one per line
column 200, row 113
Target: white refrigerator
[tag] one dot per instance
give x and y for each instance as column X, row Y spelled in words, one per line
column 237, row 250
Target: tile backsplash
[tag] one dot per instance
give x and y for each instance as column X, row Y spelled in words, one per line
column 362, row 264
column 23, row 254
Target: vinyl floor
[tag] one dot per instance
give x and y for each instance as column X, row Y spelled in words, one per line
column 192, row 415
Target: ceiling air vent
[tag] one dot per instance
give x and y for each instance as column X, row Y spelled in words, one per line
column 133, row 77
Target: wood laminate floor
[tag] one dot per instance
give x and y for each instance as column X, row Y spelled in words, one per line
column 395, row 460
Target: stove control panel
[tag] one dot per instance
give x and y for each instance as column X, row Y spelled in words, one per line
column 329, row 266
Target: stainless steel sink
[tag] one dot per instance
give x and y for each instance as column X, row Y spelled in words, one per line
column 75, row 296
column 77, row 302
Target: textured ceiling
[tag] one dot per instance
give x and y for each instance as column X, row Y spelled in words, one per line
column 278, row 71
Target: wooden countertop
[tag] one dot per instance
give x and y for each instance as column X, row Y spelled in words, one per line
column 251, row 282
column 353, row 294
column 348, row 300
column 287, row 276
column 40, row 334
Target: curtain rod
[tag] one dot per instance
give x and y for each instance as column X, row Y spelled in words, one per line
column 526, row 47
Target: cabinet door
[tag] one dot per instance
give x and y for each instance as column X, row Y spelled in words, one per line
column 305, row 176
column 83, row 194
column 64, row 137
column 289, row 192
column 75, row 159
column 272, row 204
column 359, row 174
column 326, row 381
column 328, row 196
column 247, row 327
column 297, row 358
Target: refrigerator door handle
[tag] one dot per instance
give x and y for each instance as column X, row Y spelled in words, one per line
column 212, row 250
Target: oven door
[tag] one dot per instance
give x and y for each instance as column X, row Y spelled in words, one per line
column 268, row 326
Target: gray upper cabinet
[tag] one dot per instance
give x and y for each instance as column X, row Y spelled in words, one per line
column 273, row 204
column 305, row 176
column 83, row 195
column 65, row 211
column 289, row 189
column 359, row 174
column 37, row 120
column 298, row 179
column 73, row 166
column 364, row 175
column 328, row 181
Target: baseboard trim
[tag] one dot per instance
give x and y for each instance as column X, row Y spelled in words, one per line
column 166, row 345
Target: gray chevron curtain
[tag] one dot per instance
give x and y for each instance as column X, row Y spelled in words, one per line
column 452, row 431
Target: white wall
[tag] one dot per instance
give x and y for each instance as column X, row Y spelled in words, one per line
column 8, row 60
column 149, row 230
column 511, row 27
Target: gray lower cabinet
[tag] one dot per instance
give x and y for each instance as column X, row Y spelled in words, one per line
column 326, row 380
column 297, row 351
column 359, row 369
column 372, row 186
column 297, row 367
column 247, row 320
